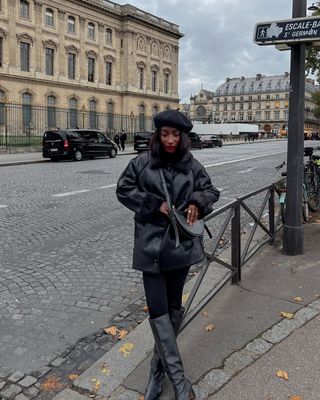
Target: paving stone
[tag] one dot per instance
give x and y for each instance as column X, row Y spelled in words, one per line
column 27, row 381
column 275, row 334
column 41, row 372
column 16, row 376
column 315, row 304
column 11, row 391
column 68, row 394
column 4, row 372
column 2, row 384
column 57, row 362
column 31, row 392
column 259, row 346
column 214, row 380
column 122, row 393
column 21, row 396
column 306, row 313
column 237, row 361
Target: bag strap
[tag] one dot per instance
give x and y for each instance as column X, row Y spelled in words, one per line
column 171, row 215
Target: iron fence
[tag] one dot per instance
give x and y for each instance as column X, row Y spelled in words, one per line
column 24, row 125
column 241, row 250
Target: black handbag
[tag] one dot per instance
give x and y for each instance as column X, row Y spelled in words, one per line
column 178, row 219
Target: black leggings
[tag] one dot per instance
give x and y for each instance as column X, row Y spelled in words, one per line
column 164, row 291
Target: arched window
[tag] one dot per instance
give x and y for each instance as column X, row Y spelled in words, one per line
column 91, row 30
column 166, row 77
column 201, row 111
column 110, row 116
column 93, row 114
column 49, row 17
column 108, row 36
column 155, row 111
column 24, row 9
column 71, row 24
column 140, row 76
column 73, row 112
column 108, row 72
column 51, row 112
column 142, row 124
column 26, row 110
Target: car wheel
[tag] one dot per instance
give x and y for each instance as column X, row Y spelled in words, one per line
column 78, row 155
column 220, row 144
column 54, row 159
column 113, row 153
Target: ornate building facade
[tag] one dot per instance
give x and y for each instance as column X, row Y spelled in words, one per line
column 262, row 100
column 95, row 56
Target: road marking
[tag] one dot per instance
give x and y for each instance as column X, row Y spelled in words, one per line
column 243, row 159
column 71, row 193
column 247, row 170
column 3, row 206
column 108, row 186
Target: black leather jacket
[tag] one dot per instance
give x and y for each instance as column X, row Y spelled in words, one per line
column 139, row 188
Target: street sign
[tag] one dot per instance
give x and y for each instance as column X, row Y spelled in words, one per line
column 297, row 30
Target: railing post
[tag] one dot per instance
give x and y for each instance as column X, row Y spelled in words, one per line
column 236, row 245
column 271, row 214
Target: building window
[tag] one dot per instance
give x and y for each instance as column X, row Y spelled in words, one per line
column 140, row 77
column 108, row 73
column 249, row 117
column 277, row 115
column 259, row 106
column 154, row 81
column 217, row 107
column 24, row 9
column 241, row 117
column 49, row 61
column 277, row 104
column 267, row 114
column 73, row 112
column 268, row 96
column 109, row 36
column 166, row 82
column 110, row 116
column 91, row 30
column 286, row 115
column 51, row 112
column 241, row 106
column 225, row 107
column 286, row 104
column 91, row 66
column 1, row 51
column 250, row 98
column 49, row 17
column 259, row 97
column 258, row 115
column 25, row 56
column 2, row 110
column 71, row 24
column 233, row 106
column 268, row 105
column 71, row 66
column 93, row 114
column 26, row 110
column 250, row 106
column 277, row 96
column 142, row 124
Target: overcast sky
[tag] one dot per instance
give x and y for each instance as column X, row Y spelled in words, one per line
column 218, row 41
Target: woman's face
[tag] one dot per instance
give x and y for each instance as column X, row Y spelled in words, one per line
column 169, row 138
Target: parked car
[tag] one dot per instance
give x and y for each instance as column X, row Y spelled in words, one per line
column 216, row 141
column 195, row 140
column 210, row 141
column 141, row 140
column 77, row 144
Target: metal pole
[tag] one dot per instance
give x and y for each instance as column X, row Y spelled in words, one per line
column 236, row 245
column 293, row 229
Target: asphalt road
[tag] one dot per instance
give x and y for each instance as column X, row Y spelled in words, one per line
column 66, row 243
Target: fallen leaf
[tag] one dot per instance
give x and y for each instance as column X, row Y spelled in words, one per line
column 185, row 297
column 205, row 314
column 282, row 374
column 145, row 309
column 112, row 330
column 51, row 383
column 209, row 328
column 73, row 377
column 222, row 241
column 298, row 298
column 122, row 334
column 126, row 349
column 287, row 315
column 295, row 398
column 97, row 384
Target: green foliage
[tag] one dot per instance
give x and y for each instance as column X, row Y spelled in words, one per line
column 312, row 65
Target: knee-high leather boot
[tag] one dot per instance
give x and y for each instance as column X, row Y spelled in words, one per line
column 170, row 357
column 155, row 385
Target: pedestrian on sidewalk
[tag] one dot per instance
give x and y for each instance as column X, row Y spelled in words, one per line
column 165, row 264
column 116, row 139
column 123, row 138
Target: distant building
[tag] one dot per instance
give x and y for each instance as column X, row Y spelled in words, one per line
column 262, row 100
column 78, row 55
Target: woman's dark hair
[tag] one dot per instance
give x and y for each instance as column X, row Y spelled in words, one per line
column 157, row 149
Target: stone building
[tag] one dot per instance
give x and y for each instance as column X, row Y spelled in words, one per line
column 86, row 56
column 262, row 100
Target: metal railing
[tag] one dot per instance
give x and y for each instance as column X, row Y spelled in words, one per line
column 240, row 252
column 24, row 125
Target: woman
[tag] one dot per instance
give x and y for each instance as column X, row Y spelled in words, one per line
column 165, row 265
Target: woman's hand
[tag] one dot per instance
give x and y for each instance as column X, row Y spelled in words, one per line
column 164, row 208
column 192, row 214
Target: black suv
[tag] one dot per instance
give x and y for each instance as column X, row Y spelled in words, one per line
column 77, row 144
column 141, row 141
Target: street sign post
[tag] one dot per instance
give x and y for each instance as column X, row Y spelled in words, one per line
column 297, row 30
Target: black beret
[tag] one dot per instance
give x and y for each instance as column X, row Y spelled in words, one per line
column 174, row 119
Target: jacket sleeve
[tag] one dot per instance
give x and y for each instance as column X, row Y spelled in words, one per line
column 143, row 203
column 205, row 193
